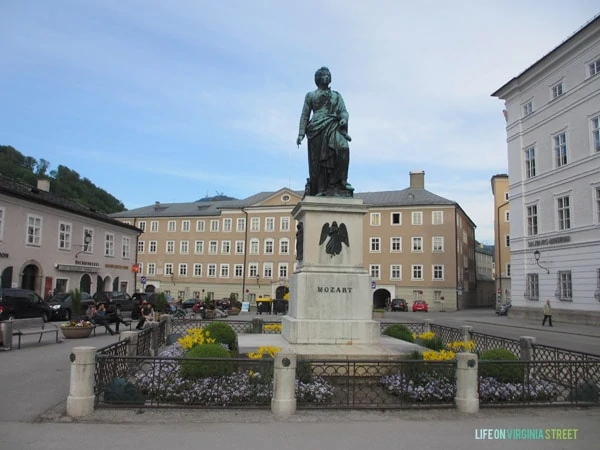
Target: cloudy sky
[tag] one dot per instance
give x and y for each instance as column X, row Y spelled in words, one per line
column 173, row 101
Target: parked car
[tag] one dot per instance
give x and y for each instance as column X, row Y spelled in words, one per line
column 123, row 300
column 420, row 305
column 399, row 304
column 189, row 303
column 22, row 304
column 61, row 305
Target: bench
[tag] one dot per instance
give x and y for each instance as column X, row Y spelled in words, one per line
column 26, row 327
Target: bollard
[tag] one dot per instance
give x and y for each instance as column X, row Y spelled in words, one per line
column 6, row 328
column 466, row 332
column 427, row 325
column 257, row 325
column 467, row 396
column 283, row 402
column 526, row 343
column 80, row 401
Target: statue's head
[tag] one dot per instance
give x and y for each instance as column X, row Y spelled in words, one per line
column 318, row 76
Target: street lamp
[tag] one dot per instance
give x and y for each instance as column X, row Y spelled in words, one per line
column 87, row 238
column 536, row 255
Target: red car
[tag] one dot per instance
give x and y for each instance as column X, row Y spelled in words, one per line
column 420, row 305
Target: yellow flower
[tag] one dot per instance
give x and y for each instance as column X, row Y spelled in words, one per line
column 426, row 336
column 275, row 327
column 269, row 349
column 195, row 336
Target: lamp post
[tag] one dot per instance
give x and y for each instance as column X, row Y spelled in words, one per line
column 537, row 255
column 499, row 268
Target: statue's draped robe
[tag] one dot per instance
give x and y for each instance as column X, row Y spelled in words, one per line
column 328, row 151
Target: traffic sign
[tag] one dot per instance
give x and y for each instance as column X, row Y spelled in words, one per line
column 143, row 279
column 373, row 285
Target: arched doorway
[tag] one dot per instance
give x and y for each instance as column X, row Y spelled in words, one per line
column 115, row 285
column 85, row 284
column 380, row 298
column 281, row 291
column 7, row 277
column 30, row 273
column 150, row 288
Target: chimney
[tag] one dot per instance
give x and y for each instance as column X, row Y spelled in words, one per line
column 417, row 180
column 43, row 185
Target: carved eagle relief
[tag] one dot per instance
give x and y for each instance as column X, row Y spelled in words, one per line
column 337, row 235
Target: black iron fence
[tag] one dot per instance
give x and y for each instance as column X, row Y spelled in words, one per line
column 544, row 352
column 416, row 328
column 485, row 342
column 144, row 342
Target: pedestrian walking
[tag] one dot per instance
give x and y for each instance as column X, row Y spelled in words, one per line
column 547, row 313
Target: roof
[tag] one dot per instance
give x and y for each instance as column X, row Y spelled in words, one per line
column 23, row 191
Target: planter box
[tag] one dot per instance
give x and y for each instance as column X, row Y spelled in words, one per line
column 76, row 332
column 233, row 312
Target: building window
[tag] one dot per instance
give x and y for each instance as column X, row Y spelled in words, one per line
column 151, row 269
column 396, row 244
column 197, row 270
column 200, row 226
column 598, row 205
column 64, row 236
column 284, row 246
column 142, row 225
column 254, row 246
column 396, row 272
column 375, row 245
column 140, row 246
column 170, row 247
column 375, row 219
column 532, row 220
column 184, row 247
column 253, row 270
column 140, row 268
column 437, row 217
column 255, row 224
column 198, row 247
column 240, row 247
column 185, row 226
column 507, row 216
column 224, row 271
column 171, row 226
column 594, row 67
column 417, row 218
column 284, row 224
column 152, row 245
column 532, row 289
column 375, row 270
column 560, row 150
column 564, row 213
column 270, row 224
column 417, row 272
column 507, row 240
column 34, row 230
column 109, row 244
column 508, row 270
column 154, row 226
column 225, row 247
column 527, row 108
column 283, row 270
column 240, row 225
column 126, row 247
column 214, row 225
column 437, row 244
column 530, row 162
column 169, row 269
column 183, row 270
column 438, row 272
column 213, row 247
column 268, row 270
column 557, row 90
column 506, row 196
column 212, row 271
column 269, row 244
column 417, row 244
column 596, row 133
column 227, row 224
column 396, row 218
column 565, row 288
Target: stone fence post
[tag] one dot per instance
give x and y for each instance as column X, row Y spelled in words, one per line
column 526, row 343
column 283, row 402
column 426, row 325
column 154, row 344
column 466, row 332
column 133, row 341
column 168, row 325
column 467, row 396
column 257, row 325
column 80, row 401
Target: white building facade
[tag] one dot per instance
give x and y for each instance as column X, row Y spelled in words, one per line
column 553, row 135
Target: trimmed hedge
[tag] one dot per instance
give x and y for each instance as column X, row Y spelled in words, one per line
column 223, row 333
column 503, row 373
column 399, row 331
column 193, row 368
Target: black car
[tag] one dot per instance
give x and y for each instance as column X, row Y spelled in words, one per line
column 22, row 304
column 122, row 300
column 189, row 303
column 61, row 305
column 399, row 304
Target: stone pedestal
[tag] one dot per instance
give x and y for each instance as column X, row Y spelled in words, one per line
column 330, row 294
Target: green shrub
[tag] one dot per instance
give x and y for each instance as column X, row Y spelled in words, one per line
column 415, row 355
column 433, row 344
column 193, row 369
column 222, row 333
column 399, row 331
column 304, row 371
column 504, row 373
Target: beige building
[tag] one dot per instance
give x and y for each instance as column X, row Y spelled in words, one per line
column 417, row 246
column 502, row 238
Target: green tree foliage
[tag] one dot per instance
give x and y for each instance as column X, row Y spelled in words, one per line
column 63, row 181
